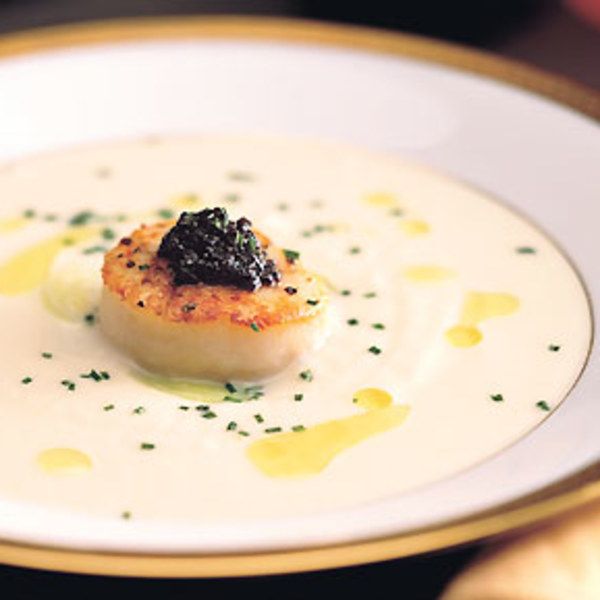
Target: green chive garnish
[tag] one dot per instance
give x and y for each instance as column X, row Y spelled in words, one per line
column 553, row 348
column 259, row 418
column 273, row 430
column 46, row 354
column 306, row 375
column 231, row 426
column 298, row 428
column 345, row 292
column 26, row 380
column 209, row 415
column 370, row 295
column 298, row 397
column 375, row 350
column 139, row 410
column 165, row 213
column 378, row 326
column 497, row 397
column 525, row 250
column 108, row 234
column 543, row 405
column 355, row 250
column 147, row 446
column 291, row 255
column 108, row 407
column 352, row 321
column 255, row 327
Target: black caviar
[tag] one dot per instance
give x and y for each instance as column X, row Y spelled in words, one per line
column 208, row 247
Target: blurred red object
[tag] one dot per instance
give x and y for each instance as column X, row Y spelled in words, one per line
column 588, row 10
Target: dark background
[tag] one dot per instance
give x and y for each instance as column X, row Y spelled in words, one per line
column 547, row 34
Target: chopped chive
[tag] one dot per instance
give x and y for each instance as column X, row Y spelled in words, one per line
column 306, row 375
column 105, row 375
column 126, row 515
column 273, row 430
column 553, row 348
column 29, row 213
column 497, row 397
column 93, row 374
column 254, row 327
column 232, row 399
column 543, row 405
column 375, row 350
column 47, row 354
column 378, row 326
column 183, row 407
column 90, row 318
column 147, row 446
column 345, row 292
column 230, row 388
column 244, row 433
column 352, row 321
column 259, row 418
column 81, row 218
column 526, row 250
column 312, row 302
column 144, row 267
column 354, row 250
column 70, row 385
column 26, row 380
column 50, row 218
column 94, row 250
column 298, row 397
column 298, row 428
column 108, row 407
column 370, row 295
column 165, row 213
column 139, row 410
column 231, row 426
column 291, row 255
column 202, row 407
column 108, row 234
column 209, row 415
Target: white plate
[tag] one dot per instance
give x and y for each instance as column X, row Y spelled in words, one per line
column 536, row 155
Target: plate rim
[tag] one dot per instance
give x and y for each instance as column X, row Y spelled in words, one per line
column 573, row 492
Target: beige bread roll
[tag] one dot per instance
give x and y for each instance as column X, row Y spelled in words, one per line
column 560, row 561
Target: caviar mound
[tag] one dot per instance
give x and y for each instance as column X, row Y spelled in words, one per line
column 209, row 247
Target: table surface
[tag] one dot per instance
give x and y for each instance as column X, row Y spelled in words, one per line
column 551, row 39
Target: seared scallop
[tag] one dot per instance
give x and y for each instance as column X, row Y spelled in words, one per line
column 203, row 330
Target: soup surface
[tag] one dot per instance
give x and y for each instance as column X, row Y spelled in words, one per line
column 455, row 327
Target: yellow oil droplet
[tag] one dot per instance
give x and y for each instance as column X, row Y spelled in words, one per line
column 464, row 336
column 383, row 199
column 308, row 452
column 186, row 201
column 427, row 273
column 59, row 461
column 12, row 224
column 482, row 305
column 372, row 398
column 197, row 391
column 27, row 270
column 415, row 227
column 478, row 307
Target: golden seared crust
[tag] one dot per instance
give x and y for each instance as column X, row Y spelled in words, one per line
column 133, row 271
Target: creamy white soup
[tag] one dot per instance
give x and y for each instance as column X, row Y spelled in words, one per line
column 455, row 327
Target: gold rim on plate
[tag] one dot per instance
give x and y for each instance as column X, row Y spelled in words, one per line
column 531, row 510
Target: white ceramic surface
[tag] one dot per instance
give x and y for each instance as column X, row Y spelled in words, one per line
column 533, row 154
